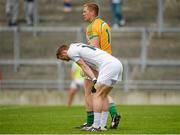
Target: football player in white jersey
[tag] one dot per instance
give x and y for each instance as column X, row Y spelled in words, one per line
column 110, row 71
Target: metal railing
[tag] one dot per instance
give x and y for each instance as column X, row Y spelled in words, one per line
column 149, row 84
column 18, row 30
column 144, row 39
column 62, row 83
column 79, row 32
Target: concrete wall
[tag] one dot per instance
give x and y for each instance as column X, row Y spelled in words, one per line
column 54, row 97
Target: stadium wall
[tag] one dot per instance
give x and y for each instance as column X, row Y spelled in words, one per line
column 55, row 97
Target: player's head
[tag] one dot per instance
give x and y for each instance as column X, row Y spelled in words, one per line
column 90, row 11
column 62, row 53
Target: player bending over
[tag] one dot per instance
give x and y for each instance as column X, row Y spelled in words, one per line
column 110, row 71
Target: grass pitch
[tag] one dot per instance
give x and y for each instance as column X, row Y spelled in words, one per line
column 61, row 119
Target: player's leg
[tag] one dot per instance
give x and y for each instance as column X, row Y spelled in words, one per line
column 100, row 103
column 88, row 101
column 115, row 74
column 105, row 82
column 104, row 114
column 71, row 93
column 112, row 108
column 115, row 117
column 88, row 104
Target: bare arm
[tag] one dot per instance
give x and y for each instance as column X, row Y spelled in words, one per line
column 94, row 41
column 86, row 69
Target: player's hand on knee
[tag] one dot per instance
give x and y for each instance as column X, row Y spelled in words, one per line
column 93, row 90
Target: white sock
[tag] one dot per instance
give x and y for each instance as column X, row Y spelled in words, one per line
column 104, row 117
column 97, row 118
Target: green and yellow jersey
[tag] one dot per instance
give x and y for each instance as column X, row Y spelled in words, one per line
column 99, row 28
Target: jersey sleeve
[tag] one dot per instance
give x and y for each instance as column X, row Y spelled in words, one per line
column 91, row 32
column 94, row 33
column 73, row 54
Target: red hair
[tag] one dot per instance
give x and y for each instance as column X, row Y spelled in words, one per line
column 92, row 7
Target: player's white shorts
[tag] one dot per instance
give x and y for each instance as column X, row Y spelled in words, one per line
column 75, row 84
column 110, row 73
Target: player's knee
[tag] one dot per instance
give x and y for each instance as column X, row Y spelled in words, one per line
column 87, row 95
column 102, row 93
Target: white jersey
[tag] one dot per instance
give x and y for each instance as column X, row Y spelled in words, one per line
column 109, row 68
column 93, row 56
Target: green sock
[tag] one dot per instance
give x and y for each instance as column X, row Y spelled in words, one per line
column 112, row 109
column 90, row 118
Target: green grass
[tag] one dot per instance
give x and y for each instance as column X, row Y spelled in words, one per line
column 60, row 119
